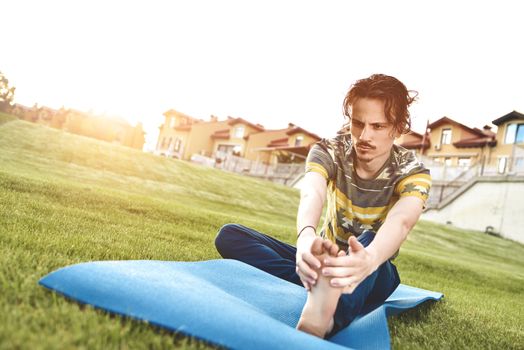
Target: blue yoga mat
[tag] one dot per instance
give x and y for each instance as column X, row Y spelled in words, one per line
column 224, row 302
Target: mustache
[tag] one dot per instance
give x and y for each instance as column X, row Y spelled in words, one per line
column 365, row 144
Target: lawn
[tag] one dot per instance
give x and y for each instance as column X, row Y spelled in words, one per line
column 66, row 199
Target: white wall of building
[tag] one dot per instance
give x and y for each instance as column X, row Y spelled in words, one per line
column 498, row 203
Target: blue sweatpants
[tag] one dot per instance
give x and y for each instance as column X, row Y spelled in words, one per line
column 241, row 243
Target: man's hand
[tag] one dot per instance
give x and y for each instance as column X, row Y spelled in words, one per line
column 348, row 271
column 306, row 261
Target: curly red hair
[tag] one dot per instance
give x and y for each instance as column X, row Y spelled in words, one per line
column 397, row 98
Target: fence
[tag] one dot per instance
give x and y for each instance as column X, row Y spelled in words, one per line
column 504, row 166
column 281, row 173
column 449, row 179
column 446, row 179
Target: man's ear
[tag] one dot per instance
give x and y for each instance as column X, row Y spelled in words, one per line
column 397, row 134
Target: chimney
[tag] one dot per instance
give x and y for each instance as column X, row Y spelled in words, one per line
column 213, row 118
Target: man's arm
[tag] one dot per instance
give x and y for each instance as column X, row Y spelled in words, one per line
column 312, row 197
column 349, row 271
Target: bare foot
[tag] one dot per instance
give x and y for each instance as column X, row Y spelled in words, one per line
column 322, row 299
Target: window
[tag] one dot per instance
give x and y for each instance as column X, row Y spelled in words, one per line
column 447, row 161
column 229, row 149
column 239, row 132
column 514, row 133
column 445, row 139
column 298, row 140
column 169, row 144
column 464, row 162
column 510, row 133
column 171, row 122
column 177, row 144
column 163, row 142
column 502, row 165
column 225, row 148
column 520, row 134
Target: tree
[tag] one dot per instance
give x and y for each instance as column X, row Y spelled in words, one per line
column 6, row 94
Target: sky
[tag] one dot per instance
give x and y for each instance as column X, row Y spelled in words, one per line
column 269, row 62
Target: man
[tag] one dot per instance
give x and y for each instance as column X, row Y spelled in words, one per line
column 376, row 192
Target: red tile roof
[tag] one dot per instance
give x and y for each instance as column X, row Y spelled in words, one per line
column 416, row 144
column 278, row 142
column 481, row 138
column 221, row 134
column 297, row 129
column 476, row 142
column 183, row 127
column 510, row 116
column 234, row 121
column 445, row 120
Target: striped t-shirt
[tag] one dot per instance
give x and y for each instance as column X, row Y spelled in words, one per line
column 354, row 204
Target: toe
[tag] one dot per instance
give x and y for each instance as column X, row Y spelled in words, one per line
column 317, row 246
column 333, row 250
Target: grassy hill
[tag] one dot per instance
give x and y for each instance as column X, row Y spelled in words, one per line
column 66, row 199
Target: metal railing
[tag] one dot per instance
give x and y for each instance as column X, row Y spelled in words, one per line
column 450, row 187
column 493, row 166
column 503, row 166
column 282, row 173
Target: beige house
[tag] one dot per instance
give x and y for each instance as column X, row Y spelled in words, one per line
column 174, row 133
column 508, row 156
column 232, row 139
column 289, row 145
column 182, row 136
column 452, row 143
column 414, row 141
column 488, row 202
column 455, row 144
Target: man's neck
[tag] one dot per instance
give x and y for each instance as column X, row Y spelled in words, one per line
column 369, row 170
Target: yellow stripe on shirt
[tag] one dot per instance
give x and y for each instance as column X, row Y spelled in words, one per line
column 317, row 168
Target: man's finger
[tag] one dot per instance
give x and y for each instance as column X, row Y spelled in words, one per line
column 334, row 250
column 354, row 244
column 311, row 260
column 306, row 272
column 327, row 244
column 339, row 271
column 330, row 247
column 306, row 285
column 343, row 260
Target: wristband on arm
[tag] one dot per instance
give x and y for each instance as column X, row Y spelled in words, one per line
column 303, row 228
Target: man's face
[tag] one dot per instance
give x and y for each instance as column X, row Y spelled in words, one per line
column 371, row 132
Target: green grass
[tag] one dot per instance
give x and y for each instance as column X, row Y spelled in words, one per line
column 66, row 199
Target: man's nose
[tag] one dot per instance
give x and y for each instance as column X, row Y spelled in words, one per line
column 366, row 132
